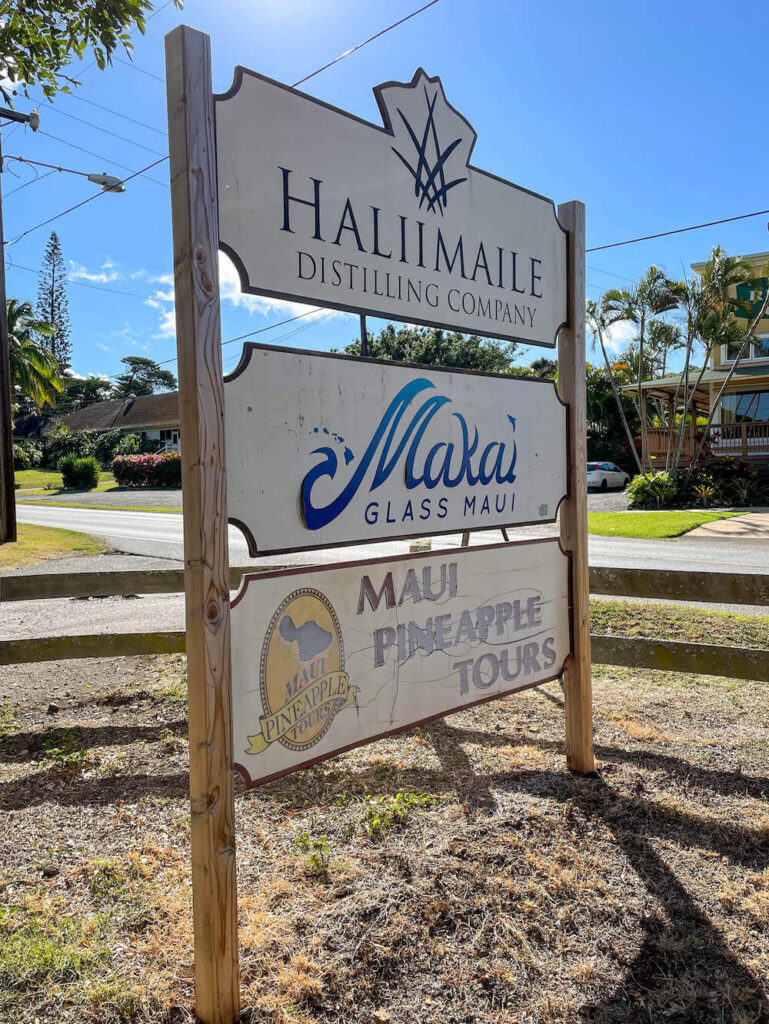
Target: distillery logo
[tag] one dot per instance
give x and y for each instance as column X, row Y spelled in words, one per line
column 301, row 674
column 427, row 159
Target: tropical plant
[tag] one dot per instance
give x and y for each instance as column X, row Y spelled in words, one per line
column 35, row 373
column 53, row 304
column 639, row 305
column 79, row 474
column 652, row 490
column 597, row 324
column 722, row 278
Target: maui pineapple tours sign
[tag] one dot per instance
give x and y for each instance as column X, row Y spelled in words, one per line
column 317, row 205
column 325, row 659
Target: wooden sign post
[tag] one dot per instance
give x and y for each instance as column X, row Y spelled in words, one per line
column 328, row 450
column 577, row 684
column 204, row 491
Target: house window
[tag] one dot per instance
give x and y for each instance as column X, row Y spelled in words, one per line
column 758, row 349
column 748, row 407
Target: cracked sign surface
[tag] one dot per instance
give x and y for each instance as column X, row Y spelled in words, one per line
column 326, row 450
column 326, row 659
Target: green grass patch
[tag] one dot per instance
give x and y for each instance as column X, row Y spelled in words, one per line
column 684, row 623
column 38, row 478
column 651, row 525
column 42, row 543
column 100, row 505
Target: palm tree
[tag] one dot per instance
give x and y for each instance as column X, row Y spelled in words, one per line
column 35, row 372
column 596, row 322
column 720, row 278
column 651, row 297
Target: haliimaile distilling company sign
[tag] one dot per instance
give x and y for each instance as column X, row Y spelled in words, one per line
column 319, row 206
column 325, row 659
column 325, row 450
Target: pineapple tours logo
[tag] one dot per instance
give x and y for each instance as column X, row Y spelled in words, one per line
column 302, row 679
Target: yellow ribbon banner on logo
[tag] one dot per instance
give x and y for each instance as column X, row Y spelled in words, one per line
column 333, row 688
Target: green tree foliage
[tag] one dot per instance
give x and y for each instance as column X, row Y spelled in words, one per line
column 544, row 367
column 438, row 348
column 53, row 304
column 82, row 391
column 40, row 38
column 607, row 438
column 35, row 374
column 142, row 376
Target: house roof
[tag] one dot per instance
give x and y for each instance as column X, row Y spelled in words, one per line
column 670, row 383
column 145, row 411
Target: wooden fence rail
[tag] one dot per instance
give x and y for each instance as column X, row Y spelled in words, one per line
column 635, row 652
column 668, row 584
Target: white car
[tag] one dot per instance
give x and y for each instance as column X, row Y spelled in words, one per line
column 603, row 475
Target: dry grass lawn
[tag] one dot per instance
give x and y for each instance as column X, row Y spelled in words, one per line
column 503, row 890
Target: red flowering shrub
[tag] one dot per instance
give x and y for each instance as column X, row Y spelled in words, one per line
column 148, row 470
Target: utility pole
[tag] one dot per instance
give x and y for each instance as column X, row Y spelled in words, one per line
column 363, row 335
column 7, row 497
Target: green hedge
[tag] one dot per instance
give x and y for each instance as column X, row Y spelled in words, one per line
column 148, row 470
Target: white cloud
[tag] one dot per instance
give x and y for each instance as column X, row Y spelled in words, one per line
column 618, row 336
column 107, row 272
column 229, row 287
column 104, row 348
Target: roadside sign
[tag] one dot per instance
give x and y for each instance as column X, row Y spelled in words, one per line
column 324, row 659
column 320, row 206
column 316, row 205
column 326, row 450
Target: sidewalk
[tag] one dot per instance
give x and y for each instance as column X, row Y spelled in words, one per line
column 753, row 526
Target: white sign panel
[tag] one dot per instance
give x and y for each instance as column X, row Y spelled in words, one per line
column 326, row 659
column 325, row 450
column 320, row 206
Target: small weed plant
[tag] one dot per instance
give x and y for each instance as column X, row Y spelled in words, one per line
column 384, row 812
column 319, row 850
column 61, row 749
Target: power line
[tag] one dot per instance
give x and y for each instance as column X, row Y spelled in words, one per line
column 38, row 177
column 135, row 174
column 85, row 284
column 149, row 74
column 678, row 231
column 118, row 113
column 106, row 131
column 365, row 42
column 98, row 156
column 77, row 206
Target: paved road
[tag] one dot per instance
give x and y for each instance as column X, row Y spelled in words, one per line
column 159, row 535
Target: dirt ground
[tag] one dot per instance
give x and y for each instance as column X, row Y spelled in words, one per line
column 497, row 887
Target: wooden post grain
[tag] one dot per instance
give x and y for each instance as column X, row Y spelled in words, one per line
column 206, row 557
column 577, row 680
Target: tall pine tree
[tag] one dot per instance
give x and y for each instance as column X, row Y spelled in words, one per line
column 52, row 302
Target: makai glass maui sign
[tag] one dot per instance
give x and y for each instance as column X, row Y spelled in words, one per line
column 325, row 659
column 320, row 206
column 326, row 450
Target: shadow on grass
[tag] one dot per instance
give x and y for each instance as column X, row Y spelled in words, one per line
column 684, row 970
column 27, row 746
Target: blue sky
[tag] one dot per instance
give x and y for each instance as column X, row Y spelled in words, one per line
column 645, row 112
